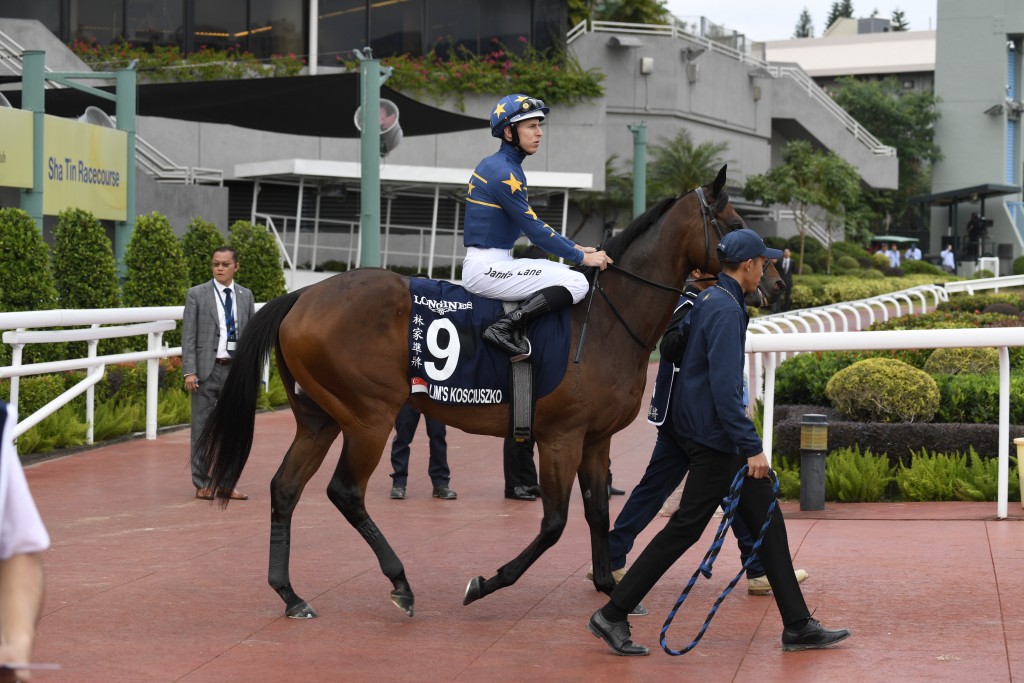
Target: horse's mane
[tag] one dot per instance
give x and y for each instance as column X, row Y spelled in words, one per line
column 617, row 245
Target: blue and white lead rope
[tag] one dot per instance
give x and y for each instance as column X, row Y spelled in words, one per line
column 729, row 505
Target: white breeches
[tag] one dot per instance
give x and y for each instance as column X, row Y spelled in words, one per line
column 493, row 273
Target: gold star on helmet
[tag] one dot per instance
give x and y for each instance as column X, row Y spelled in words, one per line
column 500, row 109
column 529, row 212
column 521, row 98
column 514, row 184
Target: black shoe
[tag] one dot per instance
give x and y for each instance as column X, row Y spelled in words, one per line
column 813, row 636
column 519, row 493
column 612, row 491
column 397, row 493
column 444, row 493
column 502, row 335
column 616, row 634
column 535, row 490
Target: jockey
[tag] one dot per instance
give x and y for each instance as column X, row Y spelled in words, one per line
column 497, row 213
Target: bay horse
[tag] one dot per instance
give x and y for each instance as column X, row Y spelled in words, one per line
column 342, row 352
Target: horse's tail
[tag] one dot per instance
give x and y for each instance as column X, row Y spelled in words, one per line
column 226, row 439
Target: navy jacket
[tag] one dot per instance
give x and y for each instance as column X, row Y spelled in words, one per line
column 711, row 374
column 672, row 346
column 498, row 208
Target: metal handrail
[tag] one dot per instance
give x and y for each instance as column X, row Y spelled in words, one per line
column 792, row 72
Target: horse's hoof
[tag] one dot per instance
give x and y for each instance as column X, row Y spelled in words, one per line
column 474, row 590
column 403, row 600
column 301, row 610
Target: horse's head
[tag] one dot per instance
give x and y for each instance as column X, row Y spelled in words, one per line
column 719, row 217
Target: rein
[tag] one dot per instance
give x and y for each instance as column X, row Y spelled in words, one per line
column 729, row 505
column 708, row 216
column 604, row 294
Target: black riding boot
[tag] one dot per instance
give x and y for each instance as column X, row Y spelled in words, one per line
column 502, row 333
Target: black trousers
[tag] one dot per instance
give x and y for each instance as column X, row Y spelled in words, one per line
column 519, row 467
column 711, row 473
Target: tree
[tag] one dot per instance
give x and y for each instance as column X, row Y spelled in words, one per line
column 629, row 11
column 805, row 178
column 804, row 25
column 84, row 268
column 899, row 20
column 678, row 165
column 839, row 9
column 197, row 245
column 904, row 119
column 259, row 260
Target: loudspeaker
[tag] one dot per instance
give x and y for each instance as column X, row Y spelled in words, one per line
column 390, row 131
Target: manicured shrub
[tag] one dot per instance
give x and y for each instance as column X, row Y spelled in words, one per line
column 847, row 263
column 26, row 281
column 1018, row 265
column 974, row 399
column 973, row 303
column 197, row 246
column 155, row 270
column 880, row 262
column 84, row 267
column 1002, row 309
column 962, row 361
column 920, row 268
column 883, row 390
column 259, row 260
column 982, row 273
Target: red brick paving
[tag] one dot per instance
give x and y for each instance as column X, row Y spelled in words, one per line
column 145, row 583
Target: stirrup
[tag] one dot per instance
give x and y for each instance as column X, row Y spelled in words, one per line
column 523, row 356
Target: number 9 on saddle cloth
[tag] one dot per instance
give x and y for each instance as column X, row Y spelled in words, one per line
column 451, row 363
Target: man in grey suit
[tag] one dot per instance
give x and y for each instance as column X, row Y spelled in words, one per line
column 216, row 312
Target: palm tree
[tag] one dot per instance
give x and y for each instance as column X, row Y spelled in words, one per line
column 679, row 166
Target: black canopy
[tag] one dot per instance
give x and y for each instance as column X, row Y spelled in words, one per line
column 301, row 105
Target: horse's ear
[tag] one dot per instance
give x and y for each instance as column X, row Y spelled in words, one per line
column 719, row 183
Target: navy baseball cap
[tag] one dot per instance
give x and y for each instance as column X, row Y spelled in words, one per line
column 743, row 244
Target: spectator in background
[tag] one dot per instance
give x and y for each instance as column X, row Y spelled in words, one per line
column 21, row 568
column 785, row 267
column 913, row 253
column 216, row 313
column 948, row 260
column 405, row 428
column 894, row 256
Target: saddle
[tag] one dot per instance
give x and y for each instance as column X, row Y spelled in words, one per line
column 451, row 363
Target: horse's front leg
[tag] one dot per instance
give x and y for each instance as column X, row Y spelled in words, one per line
column 558, row 463
column 347, row 490
column 593, row 476
column 302, row 460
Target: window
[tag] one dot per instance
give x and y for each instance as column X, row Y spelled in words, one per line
column 507, row 25
column 451, row 25
column 96, row 21
column 155, row 22
column 396, row 27
column 220, row 24
column 277, row 28
column 342, row 29
column 46, row 12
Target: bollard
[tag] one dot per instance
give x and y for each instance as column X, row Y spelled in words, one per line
column 813, row 449
column 1019, row 442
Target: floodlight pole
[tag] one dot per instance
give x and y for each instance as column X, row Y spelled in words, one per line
column 639, row 132
column 369, row 156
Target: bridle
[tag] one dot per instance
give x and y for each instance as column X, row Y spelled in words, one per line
column 708, row 217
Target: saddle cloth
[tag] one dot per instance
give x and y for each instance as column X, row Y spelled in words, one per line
column 449, row 361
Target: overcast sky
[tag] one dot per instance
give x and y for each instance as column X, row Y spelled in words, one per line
column 763, row 20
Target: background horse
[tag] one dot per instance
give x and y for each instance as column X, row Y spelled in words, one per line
column 342, row 352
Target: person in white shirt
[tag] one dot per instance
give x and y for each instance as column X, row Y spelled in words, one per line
column 948, row 261
column 22, row 539
column 913, row 253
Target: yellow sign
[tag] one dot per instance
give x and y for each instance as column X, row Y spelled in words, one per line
column 15, row 148
column 84, row 167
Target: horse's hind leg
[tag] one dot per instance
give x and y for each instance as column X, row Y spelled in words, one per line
column 314, row 434
column 347, row 490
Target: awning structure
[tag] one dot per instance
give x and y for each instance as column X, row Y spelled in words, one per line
column 971, row 194
column 328, row 177
column 321, row 106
